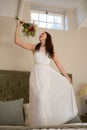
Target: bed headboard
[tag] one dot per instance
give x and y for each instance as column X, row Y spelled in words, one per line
column 14, row 85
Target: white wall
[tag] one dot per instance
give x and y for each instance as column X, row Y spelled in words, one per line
column 81, row 13
column 9, row 7
column 71, row 47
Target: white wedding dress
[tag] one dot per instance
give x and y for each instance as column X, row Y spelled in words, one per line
column 52, row 99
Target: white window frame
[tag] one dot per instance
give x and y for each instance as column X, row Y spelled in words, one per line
column 62, row 15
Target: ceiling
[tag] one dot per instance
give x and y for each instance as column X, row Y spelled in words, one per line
column 10, row 7
column 57, row 3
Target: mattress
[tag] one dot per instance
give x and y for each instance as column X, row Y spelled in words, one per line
column 71, row 126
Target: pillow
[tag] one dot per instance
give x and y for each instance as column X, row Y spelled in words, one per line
column 11, row 112
column 27, row 114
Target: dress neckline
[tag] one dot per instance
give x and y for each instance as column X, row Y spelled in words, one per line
column 40, row 52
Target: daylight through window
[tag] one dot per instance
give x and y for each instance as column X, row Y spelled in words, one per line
column 47, row 19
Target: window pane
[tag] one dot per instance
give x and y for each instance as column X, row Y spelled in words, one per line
column 58, row 26
column 34, row 16
column 36, row 22
column 50, row 25
column 58, row 19
column 50, row 18
column 42, row 24
column 42, row 17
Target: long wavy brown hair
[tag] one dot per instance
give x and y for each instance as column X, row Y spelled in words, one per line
column 48, row 44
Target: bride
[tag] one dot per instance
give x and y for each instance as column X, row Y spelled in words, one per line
column 52, row 99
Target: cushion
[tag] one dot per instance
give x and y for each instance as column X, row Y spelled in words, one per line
column 27, row 114
column 11, row 112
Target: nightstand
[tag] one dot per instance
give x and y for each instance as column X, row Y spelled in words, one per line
column 83, row 118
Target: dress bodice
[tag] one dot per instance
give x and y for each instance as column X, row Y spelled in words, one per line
column 41, row 58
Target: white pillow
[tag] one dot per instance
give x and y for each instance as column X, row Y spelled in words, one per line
column 27, row 114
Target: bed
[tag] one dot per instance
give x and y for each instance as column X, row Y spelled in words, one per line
column 14, row 103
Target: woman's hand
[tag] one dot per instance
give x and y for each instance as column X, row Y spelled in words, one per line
column 20, row 23
column 69, row 79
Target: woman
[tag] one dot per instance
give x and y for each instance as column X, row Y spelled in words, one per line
column 52, row 100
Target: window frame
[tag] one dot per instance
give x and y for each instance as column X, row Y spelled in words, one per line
column 62, row 15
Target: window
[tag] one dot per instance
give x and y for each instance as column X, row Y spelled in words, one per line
column 48, row 20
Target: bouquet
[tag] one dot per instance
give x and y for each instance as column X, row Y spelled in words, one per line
column 29, row 29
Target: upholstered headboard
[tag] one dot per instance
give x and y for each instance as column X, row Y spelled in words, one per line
column 14, row 85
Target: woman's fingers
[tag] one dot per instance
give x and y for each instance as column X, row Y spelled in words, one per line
column 21, row 22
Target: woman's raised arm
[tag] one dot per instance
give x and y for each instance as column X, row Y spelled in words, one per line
column 27, row 46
